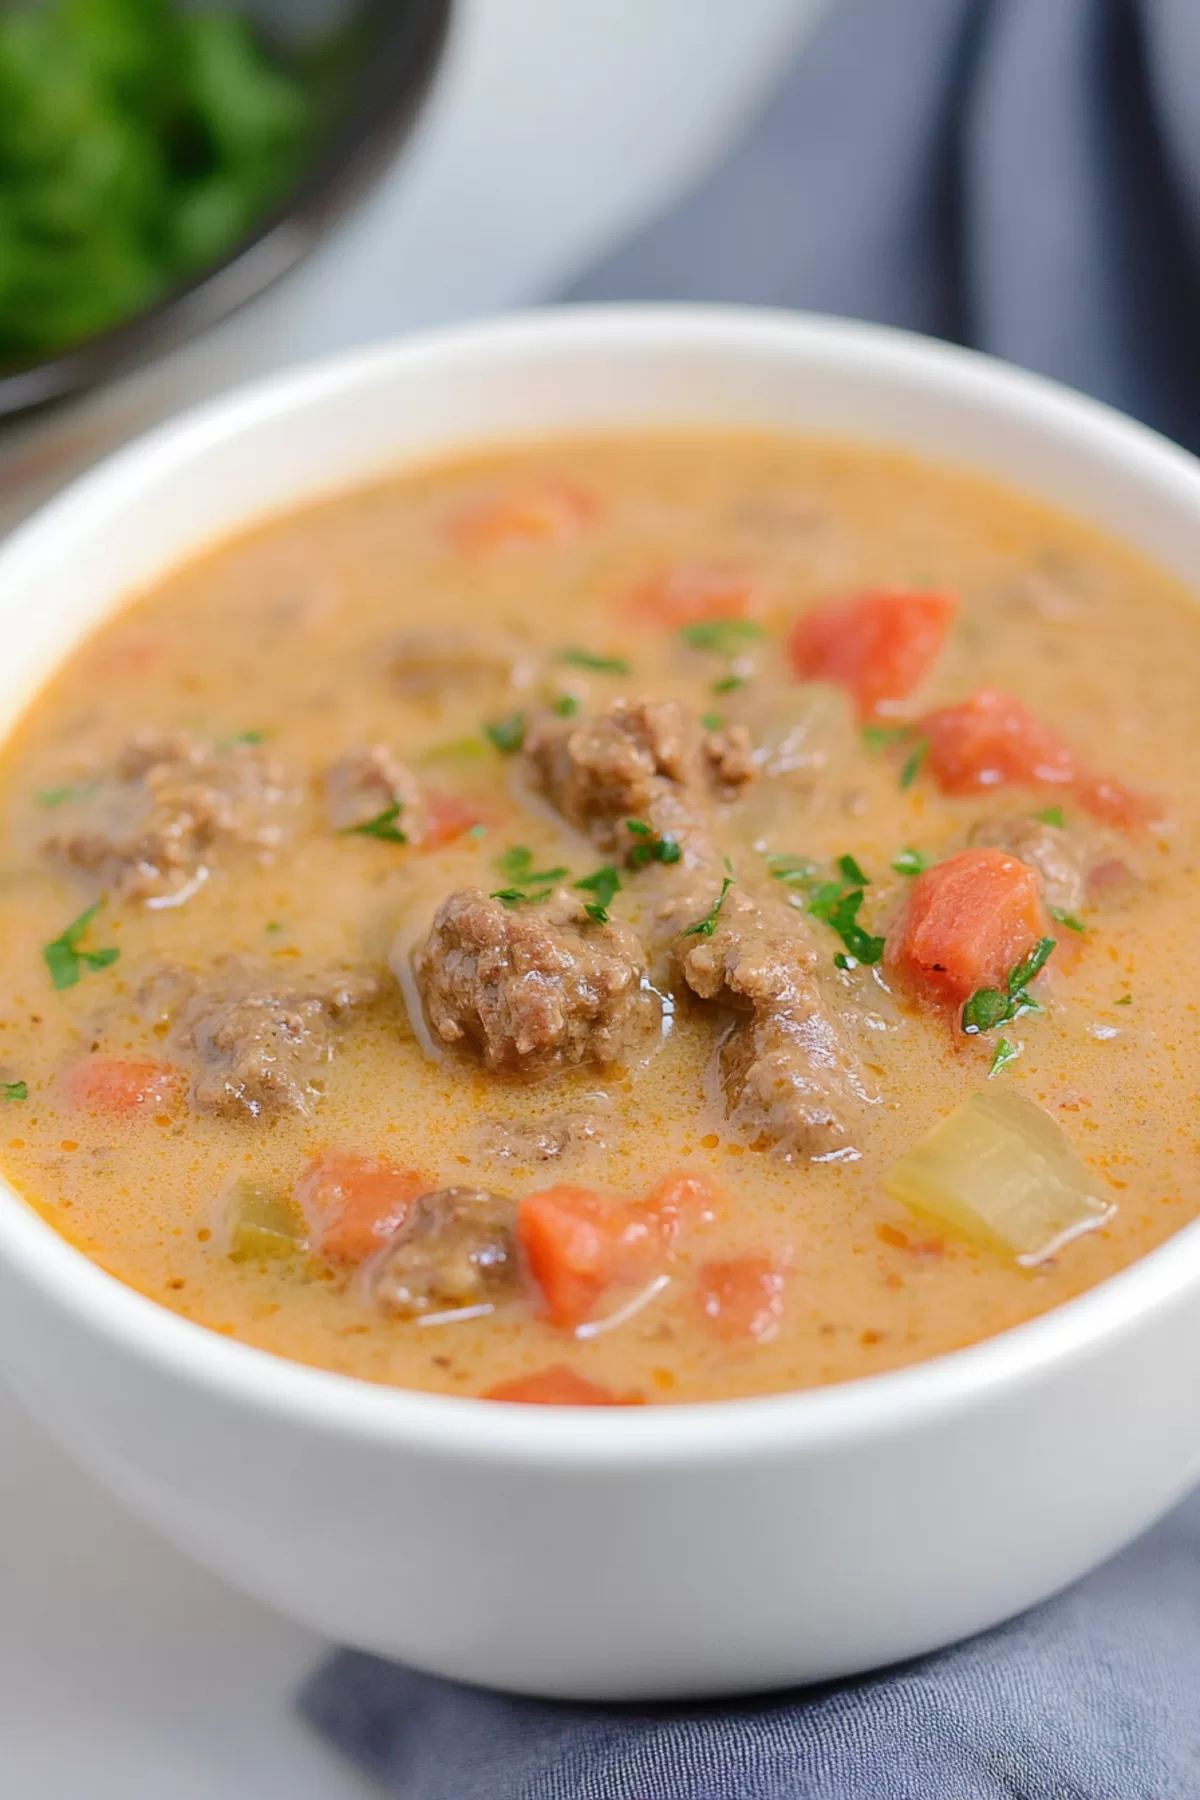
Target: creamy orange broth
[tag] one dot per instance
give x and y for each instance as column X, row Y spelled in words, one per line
column 285, row 631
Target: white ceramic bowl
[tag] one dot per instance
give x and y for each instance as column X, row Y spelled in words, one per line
column 626, row 1553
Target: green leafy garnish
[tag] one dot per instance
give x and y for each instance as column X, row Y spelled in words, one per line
column 566, row 706
column 708, row 924
column 73, row 790
column 603, row 665
column 723, row 637
column 1125, row 1000
column 1006, row 1053
column 853, row 871
column 838, row 906
column 1052, row 815
column 882, row 737
column 139, row 143
column 13, row 1090
column 650, row 847
column 1070, row 920
column 603, row 884
column 989, row 1007
column 383, row 826
column 508, row 733
column 796, row 871
column 728, row 684
column 911, row 862
column 248, row 737
column 274, row 926
column 912, row 764
column 66, row 961
column 529, row 884
column 711, row 721
column 463, row 749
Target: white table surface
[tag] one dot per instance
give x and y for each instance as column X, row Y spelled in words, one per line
column 125, row 1672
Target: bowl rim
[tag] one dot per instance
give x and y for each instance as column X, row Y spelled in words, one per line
column 807, row 1421
column 355, row 153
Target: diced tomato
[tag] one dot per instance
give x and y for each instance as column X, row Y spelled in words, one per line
column 448, row 817
column 352, row 1204
column 992, row 740
column 580, row 1243
column 1114, row 804
column 546, row 511
column 681, row 1200
column 559, row 1386
column 686, row 593
column 123, row 1088
column 743, row 1296
column 878, row 645
column 964, row 925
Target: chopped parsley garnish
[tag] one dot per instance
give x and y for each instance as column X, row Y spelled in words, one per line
column 463, row 749
column 708, row 924
column 1125, row 1000
column 383, row 826
column 1068, row 919
column 476, row 831
column 724, row 637
column 248, row 737
column 989, row 1007
column 273, row 926
column 912, row 764
column 853, row 871
column 728, row 684
column 534, row 884
column 508, row 733
column 566, row 706
column 1052, row 815
column 911, row 862
column 838, row 906
column 602, row 665
column 1006, row 1053
column 882, row 737
column 13, row 1090
column 66, row 961
column 796, row 871
column 73, row 790
column 650, row 846
column 711, row 721
column 602, row 885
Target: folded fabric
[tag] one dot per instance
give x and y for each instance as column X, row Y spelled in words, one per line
column 1094, row 1696
column 1020, row 175
column 1023, row 175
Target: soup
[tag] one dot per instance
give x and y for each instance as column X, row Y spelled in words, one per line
column 642, row 919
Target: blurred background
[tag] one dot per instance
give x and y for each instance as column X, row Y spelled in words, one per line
column 398, row 162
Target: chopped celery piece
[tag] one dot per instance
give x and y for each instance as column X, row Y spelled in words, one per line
column 262, row 1225
column 1000, row 1170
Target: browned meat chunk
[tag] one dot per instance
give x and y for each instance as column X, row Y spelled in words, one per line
column 364, row 784
column 790, row 1078
column 174, row 809
column 565, row 1136
column 457, row 1248
column 429, row 664
column 1061, row 859
column 258, row 1039
column 729, row 757
column 533, row 989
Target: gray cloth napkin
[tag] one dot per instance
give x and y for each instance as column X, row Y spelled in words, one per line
column 1023, row 175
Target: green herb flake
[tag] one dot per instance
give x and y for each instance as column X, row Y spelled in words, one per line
column 463, row 749
column 566, row 706
column 882, row 737
column 64, row 958
column 729, row 684
column 1052, row 815
column 602, row 885
column 839, row 909
column 911, row 862
column 601, row 665
column 597, row 913
column 912, row 764
column 51, row 797
column 508, row 733
column 383, row 826
column 14, row 1090
column 723, row 637
column 639, row 828
column 989, row 1007
column 1070, row 920
column 529, row 884
column 476, row 832
column 1033, row 965
column 1006, row 1053
column 248, row 737
column 853, row 871
column 796, row 871
column 650, row 847
column 1125, row 1000
column 708, row 924
column 712, row 721
column 274, row 926
column 842, row 961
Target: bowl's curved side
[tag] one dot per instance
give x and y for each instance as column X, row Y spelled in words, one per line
column 724, row 1547
column 396, row 82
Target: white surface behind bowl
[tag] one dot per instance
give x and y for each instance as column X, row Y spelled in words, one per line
column 733, row 1546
